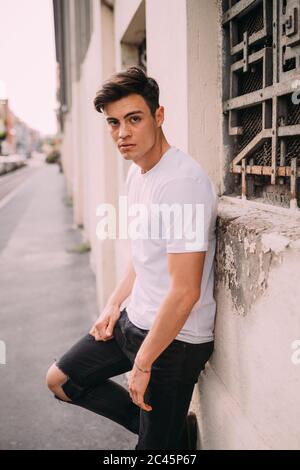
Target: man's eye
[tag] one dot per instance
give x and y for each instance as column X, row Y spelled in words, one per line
column 135, row 119
column 113, row 123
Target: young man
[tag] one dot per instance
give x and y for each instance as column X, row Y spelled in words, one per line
column 165, row 334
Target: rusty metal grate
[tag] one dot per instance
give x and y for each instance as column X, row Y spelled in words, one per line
column 251, row 80
column 263, row 122
column 292, row 149
column 263, row 156
column 292, row 146
column 251, row 23
column 293, row 113
column 250, row 120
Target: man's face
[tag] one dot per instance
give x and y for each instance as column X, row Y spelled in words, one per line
column 132, row 126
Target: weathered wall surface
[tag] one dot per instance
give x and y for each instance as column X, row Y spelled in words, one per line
column 249, row 394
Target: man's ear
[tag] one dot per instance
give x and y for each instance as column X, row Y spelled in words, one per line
column 160, row 116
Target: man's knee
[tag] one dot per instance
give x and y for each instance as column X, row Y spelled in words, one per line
column 55, row 378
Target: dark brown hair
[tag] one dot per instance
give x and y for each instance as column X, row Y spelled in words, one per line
column 132, row 80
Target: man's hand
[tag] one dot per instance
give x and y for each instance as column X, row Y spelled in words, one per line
column 138, row 383
column 102, row 330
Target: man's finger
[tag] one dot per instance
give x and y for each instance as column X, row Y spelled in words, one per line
column 100, row 330
column 110, row 327
column 142, row 404
column 98, row 336
column 107, row 338
column 146, row 407
column 108, row 334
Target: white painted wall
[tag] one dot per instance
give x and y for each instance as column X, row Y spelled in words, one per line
column 98, row 156
column 166, row 28
column 124, row 12
column 204, row 62
column 67, row 154
column 89, row 156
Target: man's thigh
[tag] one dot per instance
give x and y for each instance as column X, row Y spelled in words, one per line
column 88, row 362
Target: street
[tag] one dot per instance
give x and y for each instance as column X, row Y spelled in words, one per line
column 47, row 302
column 13, row 180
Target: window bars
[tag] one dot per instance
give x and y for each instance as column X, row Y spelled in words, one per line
column 263, row 96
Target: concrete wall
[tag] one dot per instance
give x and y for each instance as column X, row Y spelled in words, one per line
column 250, row 393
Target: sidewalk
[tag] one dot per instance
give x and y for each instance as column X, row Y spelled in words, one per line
column 47, row 301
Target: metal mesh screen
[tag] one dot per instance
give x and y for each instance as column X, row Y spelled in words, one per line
column 250, row 119
column 251, row 80
column 292, row 149
column 293, row 113
column 252, row 23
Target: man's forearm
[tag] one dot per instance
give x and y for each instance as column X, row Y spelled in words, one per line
column 124, row 287
column 170, row 319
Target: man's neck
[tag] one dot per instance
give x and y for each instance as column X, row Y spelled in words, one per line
column 151, row 158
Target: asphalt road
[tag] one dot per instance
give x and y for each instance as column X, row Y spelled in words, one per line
column 47, row 301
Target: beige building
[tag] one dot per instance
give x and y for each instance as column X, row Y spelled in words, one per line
column 228, row 78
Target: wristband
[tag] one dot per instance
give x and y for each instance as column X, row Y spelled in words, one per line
column 142, row 370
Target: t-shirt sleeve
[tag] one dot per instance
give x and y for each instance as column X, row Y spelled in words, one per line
column 189, row 208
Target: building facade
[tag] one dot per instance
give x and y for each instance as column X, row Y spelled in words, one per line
column 228, row 78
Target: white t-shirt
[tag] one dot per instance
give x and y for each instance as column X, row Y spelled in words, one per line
column 176, row 179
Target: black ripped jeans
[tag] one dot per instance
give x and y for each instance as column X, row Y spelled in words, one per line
column 90, row 364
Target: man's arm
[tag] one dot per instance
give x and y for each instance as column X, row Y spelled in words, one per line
column 186, row 274
column 103, row 327
column 124, row 287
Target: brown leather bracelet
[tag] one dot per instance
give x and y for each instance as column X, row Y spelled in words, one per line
column 145, row 371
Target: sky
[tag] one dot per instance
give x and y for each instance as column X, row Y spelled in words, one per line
column 27, row 61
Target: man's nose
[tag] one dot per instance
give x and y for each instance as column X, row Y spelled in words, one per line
column 123, row 130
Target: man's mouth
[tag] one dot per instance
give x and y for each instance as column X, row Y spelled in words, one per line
column 126, row 146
